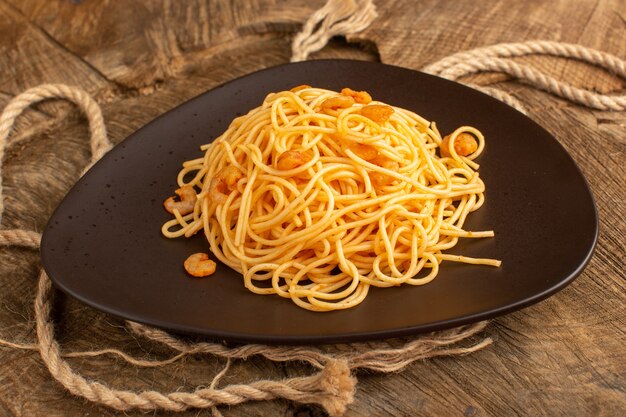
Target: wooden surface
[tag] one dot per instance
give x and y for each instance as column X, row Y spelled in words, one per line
column 562, row 357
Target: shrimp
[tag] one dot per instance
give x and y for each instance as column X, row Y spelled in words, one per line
column 361, row 97
column 224, row 182
column 199, row 265
column 380, row 179
column 187, row 201
column 367, row 152
column 363, row 151
column 292, row 159
column 334, row 103
column 378, row 113
column 465, row 144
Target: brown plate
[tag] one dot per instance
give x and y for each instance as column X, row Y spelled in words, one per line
column 103, row 243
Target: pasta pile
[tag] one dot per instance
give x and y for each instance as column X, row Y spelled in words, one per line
column 318, row 195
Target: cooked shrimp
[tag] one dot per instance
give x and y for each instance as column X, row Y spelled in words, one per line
column 378, row 113
column 185, row 205
column 367, row 152
column 363, row 151
column 292, row 159
column 334, row 103
column 231, row 176
column 199, row 265
column 361, row 97
column 224, row 182
column 380, row 179
column 465, row 144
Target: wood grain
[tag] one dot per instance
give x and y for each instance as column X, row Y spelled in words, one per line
column 562, row 357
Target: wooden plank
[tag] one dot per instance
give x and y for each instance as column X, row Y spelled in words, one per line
column 158, row 40
column 417, row 35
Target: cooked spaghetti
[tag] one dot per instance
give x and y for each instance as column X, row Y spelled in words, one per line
column 317, row 195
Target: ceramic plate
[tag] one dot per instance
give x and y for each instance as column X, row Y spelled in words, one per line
column 103, row 244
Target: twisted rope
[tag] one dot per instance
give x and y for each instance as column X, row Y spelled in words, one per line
column 377, row 356
column 493, row 58
column 99, row 142
column 537, row 79
column 337, row 17
column 509, row 50
column 19, row 237
column 332, row 387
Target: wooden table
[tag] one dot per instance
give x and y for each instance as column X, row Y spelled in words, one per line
column 562, row 357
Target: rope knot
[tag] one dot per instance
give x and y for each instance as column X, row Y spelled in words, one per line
column 340, row 386
column 337, row 17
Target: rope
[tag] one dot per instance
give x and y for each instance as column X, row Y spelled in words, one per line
column 337, row 17
column 493, row 58
column 376, row 356
column 19, row 237
column 558, row 49
column 332, row 385
column 99, row 142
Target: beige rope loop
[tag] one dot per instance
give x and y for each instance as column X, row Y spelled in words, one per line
column 99, row 142
column 332, row 387
column 559, row 49
column 491, row 58
column 337, row 17
column 539, row 80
